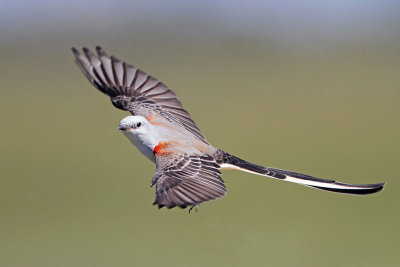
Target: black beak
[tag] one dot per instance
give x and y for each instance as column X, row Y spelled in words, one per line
column 121, row 128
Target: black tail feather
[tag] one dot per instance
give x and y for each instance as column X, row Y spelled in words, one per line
column 227, row 160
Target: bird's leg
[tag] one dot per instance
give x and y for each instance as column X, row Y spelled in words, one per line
column 195, row 205
column 191, row 208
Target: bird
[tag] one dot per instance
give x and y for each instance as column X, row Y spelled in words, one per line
column 188, row 167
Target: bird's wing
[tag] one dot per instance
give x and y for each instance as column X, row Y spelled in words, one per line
column 133, row 90
column 186, row 180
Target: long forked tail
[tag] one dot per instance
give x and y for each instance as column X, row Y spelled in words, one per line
column 228, row 161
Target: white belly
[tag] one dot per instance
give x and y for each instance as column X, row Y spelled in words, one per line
column 145, row 147
column 149, row 136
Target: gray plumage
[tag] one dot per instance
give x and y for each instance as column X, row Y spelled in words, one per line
column 190, row 175
column 133, row 90
column 187, row 180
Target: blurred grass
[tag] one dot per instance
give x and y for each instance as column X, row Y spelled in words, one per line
column 74, row 192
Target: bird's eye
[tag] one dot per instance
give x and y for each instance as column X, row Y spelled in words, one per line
column 138, row 124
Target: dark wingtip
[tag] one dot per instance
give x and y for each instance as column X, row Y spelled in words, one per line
column 159, row 205
column 114, row 59
column 100, row 51
column 75, row 51
column 184, row 206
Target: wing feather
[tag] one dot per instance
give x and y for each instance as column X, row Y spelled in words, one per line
column 96, row 65
column 118, row 71
column 133, row 90
column 187, row 180
column 130, row 73
column 106, row 66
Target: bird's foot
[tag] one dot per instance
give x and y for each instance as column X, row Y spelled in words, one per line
column 197, row 207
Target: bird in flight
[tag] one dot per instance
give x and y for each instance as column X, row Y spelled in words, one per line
column 187, row 166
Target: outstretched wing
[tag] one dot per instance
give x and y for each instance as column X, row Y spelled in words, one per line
column 133, row 90
column 186, row 180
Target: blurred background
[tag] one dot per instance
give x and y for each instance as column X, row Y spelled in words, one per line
column 308, row 86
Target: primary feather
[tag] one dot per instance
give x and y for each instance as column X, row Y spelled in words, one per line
column 187, row 166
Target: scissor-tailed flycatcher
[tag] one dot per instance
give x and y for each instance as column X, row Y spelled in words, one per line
column 187, row 166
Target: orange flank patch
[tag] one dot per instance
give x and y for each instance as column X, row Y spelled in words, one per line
column 152, row 117
column 160, row 149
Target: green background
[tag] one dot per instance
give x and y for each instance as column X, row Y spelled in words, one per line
column 74, row 192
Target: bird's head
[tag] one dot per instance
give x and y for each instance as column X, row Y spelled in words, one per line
column 134, row 124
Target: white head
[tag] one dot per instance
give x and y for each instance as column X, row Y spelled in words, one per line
column 141, row 133
column 136, row 125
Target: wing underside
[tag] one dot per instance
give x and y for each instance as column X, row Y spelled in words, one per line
column 187, row 180
column 132, row 89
